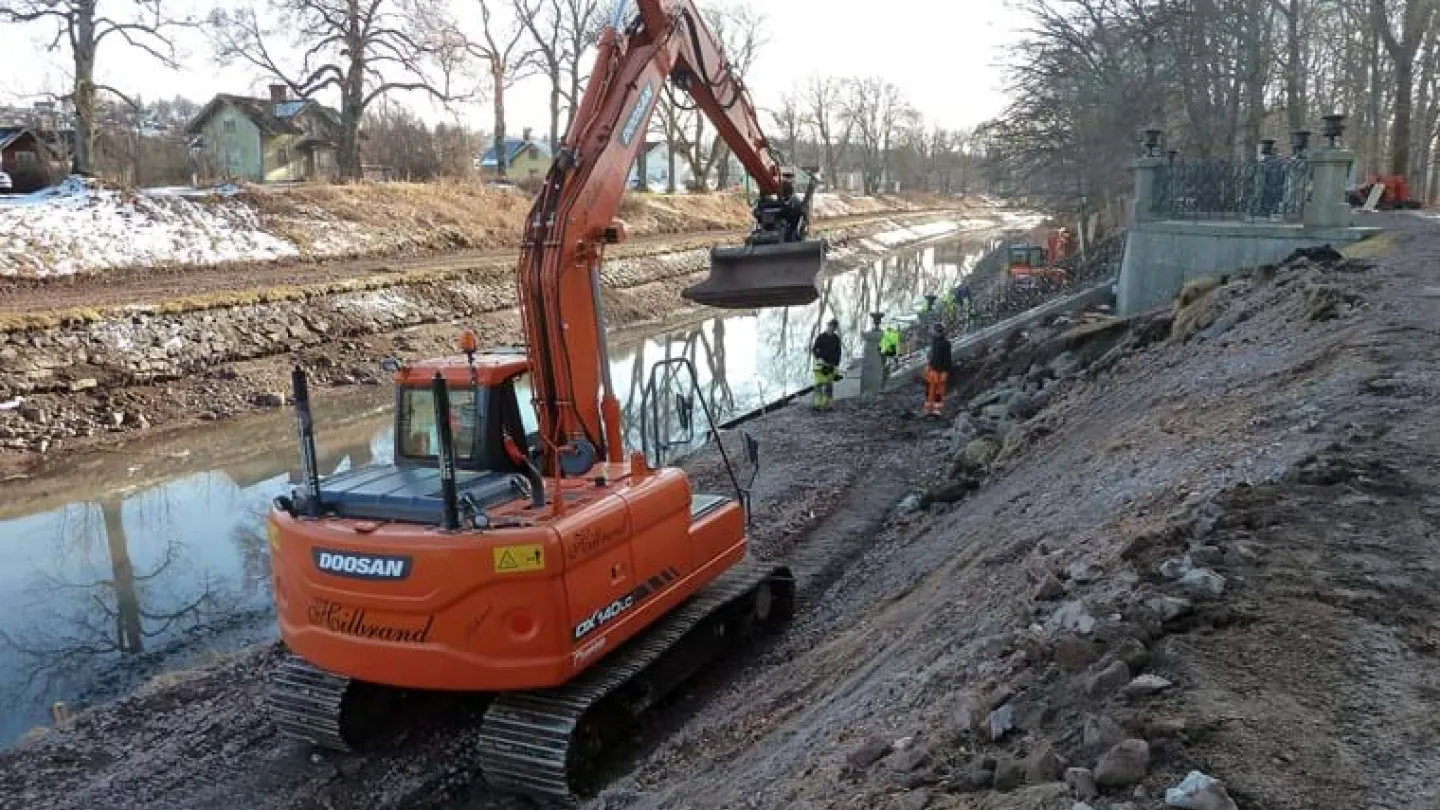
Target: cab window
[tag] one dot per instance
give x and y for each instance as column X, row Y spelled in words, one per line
column 419, row 437
column 524, row 396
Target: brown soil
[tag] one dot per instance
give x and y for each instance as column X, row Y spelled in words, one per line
column 1288, row 447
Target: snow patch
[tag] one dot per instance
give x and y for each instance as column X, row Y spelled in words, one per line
column 77, row 227
column 382, row 303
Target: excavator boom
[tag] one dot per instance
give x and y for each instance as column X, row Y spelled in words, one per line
column 574, row 218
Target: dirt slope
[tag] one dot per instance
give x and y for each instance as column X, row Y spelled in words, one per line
column 1287, row 447
column 1238, row 498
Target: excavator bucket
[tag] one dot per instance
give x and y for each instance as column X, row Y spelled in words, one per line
column 761, row 276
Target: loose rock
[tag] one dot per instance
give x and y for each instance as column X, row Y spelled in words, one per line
column 1199, row 792
column 1132, row 651
column 270, row 400
column 1001, row 722
column 1123, row 765
column 870, row 752
column 1203, row 582
column 1072, row 616
column 1100, row 733
column 1044, row 765
column 1049, row 589
column 1207, row 555
column 1082, row 783
column 1073, row 652
column 1108, row 680
column 1175, row 567
column 1168, row 608
column 980, row 452
column 1145, row 685
column 907, row 760
column 975, row 778
column 1009, row 773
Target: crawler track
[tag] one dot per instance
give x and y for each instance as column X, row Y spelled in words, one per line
column 537, row 743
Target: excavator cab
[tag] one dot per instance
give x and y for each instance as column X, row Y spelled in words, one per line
column 1026, row 260
column 777, row 266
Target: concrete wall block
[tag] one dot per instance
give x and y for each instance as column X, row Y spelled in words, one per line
column 1160, row 257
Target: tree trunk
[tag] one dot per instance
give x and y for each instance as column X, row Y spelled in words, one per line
column 699, row 174
column 642, row 168
column 555, row 110
column 1400, row 129
column 497, row 74
column 84, row 88
column 349, row 155
column 722, row 168
column 1295, row 90
column 1373, row 109
column 575, row 90
column 670, row 157
column 129, row 637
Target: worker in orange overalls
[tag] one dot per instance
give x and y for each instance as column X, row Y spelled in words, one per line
column 937, row 372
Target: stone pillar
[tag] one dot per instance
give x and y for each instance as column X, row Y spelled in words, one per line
column 872, row 365
column 1329, row 173
column 1147, row 184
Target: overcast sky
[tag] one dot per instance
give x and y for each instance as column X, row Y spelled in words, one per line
column 941, row 52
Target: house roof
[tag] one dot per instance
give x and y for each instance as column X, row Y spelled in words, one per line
column 9, row 135
column 513, row 148
column 272, row 117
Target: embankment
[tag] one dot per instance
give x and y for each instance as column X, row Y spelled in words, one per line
column 78, row 378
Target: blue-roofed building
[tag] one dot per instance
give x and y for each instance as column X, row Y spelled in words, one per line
column 265, row 140
column 525, row 159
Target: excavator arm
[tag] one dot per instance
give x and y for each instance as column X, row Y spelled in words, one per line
column 575, row 216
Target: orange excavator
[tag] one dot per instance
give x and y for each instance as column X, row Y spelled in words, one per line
column 513, row 548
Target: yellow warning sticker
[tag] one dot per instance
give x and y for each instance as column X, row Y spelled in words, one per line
column 519, row 559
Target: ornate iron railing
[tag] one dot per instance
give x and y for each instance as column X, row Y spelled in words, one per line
column 1274, row 188
column 1009, row 297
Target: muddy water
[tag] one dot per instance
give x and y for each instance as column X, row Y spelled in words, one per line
column 162, row 560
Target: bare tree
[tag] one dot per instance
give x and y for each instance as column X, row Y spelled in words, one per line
column 508, row 58
column 824, row 101
column 561, row 30
column 789, row 120
column 1294, row 13
column 1415, row 19
column 364, row 50
column 674, row 116
column 82, row 26
column 739, row 27
column 878, row 111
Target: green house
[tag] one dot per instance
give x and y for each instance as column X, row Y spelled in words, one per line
column 274, row 140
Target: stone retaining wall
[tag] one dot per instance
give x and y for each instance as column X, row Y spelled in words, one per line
column 147, row 347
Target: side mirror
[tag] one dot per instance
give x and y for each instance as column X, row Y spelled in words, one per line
column 390, row 365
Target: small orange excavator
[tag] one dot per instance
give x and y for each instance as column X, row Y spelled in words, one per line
column 1394, row 195
column 1030, row 263
column 517, row 551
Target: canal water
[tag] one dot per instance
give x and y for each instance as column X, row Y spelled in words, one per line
column 155, row 558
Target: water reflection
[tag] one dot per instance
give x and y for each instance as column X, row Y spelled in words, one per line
column 175, row 551
column 137, row 575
